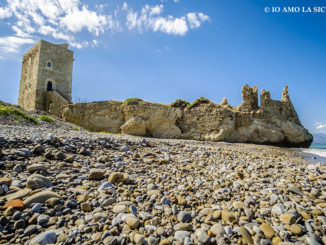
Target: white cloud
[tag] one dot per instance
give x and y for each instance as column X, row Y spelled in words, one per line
column 30, row 20
column 156, row 10
column 170, row 25
column 320, row 126
column 79, row 19
column 195, row 19
column 12, row 44
column 5, row 13
column 149, row 18
column 59, row 19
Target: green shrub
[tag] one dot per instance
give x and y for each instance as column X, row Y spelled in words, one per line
column 16, row 113
column 76, row 128
column 198, row 102
column 46, row 119
column 180, row 104
column 132, row 101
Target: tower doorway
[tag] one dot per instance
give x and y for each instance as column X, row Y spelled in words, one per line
column 49, row 86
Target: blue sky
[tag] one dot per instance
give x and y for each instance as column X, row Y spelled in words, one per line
column 163, row 50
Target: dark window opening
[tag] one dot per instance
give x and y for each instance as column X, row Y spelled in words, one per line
column 49, row 64
column 49, row 87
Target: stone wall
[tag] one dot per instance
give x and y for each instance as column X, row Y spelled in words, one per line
column 28, row 81
column 55, row 103
column 274, row 122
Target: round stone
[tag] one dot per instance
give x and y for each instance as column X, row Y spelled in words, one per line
column 132, row 222
column 119, row 209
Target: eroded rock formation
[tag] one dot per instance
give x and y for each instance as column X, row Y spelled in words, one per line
column 274, row 122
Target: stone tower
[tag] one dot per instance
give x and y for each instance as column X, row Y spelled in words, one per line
column 46, row 78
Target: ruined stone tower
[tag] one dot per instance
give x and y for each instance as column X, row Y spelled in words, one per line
column 46, row 78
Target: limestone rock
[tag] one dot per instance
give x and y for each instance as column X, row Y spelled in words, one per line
column 40, row 197
column 224, row 102
column 134, row 126
column 267, row 230
column 116, row 178
column 273, row 122
column 48, row 237
column 96, row 174
column 37, row 181
column 17, row 195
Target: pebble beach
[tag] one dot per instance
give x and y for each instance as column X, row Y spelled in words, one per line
column 60, row 185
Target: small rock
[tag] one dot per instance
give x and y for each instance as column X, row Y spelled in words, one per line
column 246, row 235
column 132, row 222
column 139, row 239
column 116, row 178
column 288, row 219
column 181, row 235
column 119, row 209
column 40, row 197
column 38, row 150
column 312, row 241
column 30, row 230
column 295, row 191
column 5, row 180
column 184, row 216
column 37, row 181
column 228, row 216
column 43, row 219
column 19, row 224
column 48, row 237
column 35, row 167
column 267, row 230
column 99, row 216
column 106, row 186
column 296, row 229
column 18, row 168
column 9, row 211
column 218, row 230
column 86, row 207
column 96, row 174
column 17, row 204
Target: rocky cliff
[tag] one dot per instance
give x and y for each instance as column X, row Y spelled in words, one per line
column 274, row 122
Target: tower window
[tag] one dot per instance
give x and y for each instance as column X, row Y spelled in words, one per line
column 49, row 64
column 49, row 86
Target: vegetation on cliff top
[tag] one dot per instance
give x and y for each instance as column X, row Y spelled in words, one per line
column 16, row 113
column 180, row 104
column 46, row 119
column 132, row 101
column 198, row 102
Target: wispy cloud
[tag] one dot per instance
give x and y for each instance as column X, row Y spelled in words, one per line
column 12, row 44
column 149, row 18
column 63, row 20
column 320, row 126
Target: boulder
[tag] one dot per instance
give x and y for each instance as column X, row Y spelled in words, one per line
column 37, row 181
column 40, row 197
column 134, row 126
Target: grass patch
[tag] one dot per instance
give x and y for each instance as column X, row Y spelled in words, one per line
column 198, row 102
column 104, row 132
column 46, row 119
column 16, row 113
column 76, row 128
column 132, row 101
column 180, row 104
